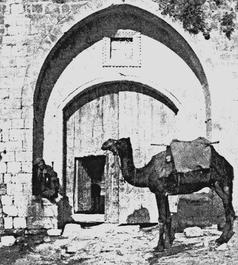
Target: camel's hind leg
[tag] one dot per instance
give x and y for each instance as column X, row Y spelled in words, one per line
column 225, row 193
column 166, row 236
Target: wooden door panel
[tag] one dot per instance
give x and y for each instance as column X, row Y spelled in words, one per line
column 82, row 190
column 146, row 121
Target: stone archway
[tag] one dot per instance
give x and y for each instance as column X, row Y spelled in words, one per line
column 92, row 106
column 92, row 29
column 106, row 88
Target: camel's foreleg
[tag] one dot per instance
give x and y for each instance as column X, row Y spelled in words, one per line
column 166, row 236
column 168, row 225
column 225, row 193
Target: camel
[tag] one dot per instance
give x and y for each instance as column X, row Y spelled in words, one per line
column 161, row 178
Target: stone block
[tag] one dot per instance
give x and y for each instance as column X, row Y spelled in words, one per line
column 27, row 112
column 12, row 113
column 7, row 178
column 2, row 144
column 14, row 167
column 16, row 30
column 47, row 239
column 8, row 240
column 23, row 178
column 13, row 189
column 13, row 145
column 23, row 156
column 16, row 134
column 3, row 167
column 54, row 232
column 17, row 123
column 72, row 230
column 6, row 200
column 9, row 156
column 26, row 167
column 10, row 210
column 8, row 222
column 21, row 203
column 193, row 232
column 15, row 102
column 4, row 135
column 19, row 222
column 28, row 136
column 28, row 124
column 27, row 100
column 16, row 93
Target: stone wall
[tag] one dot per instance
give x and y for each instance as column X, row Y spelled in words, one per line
column 28, row 31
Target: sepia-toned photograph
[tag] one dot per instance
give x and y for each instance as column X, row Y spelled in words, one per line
column 118, row 132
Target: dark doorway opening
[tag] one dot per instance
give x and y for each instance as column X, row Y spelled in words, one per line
column 89, row 185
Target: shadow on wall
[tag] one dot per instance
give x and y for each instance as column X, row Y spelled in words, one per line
column 199, row 209
column 139, row 216
column 64, row 212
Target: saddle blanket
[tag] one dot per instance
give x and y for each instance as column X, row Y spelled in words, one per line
column 191, row 155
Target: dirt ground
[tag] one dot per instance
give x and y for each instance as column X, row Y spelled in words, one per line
column 111, row 244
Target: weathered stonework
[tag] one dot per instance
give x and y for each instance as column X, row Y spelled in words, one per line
column 29, row 30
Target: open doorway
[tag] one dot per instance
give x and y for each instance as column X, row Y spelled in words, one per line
column 89, row 185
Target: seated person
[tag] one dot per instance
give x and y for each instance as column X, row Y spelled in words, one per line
column 46, row 182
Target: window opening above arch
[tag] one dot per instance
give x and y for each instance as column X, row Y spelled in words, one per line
column 122, row 49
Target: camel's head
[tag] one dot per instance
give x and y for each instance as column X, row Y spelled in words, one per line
column 110, row 145
column 115, row 146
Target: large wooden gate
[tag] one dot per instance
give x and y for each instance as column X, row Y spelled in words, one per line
column 123, row 114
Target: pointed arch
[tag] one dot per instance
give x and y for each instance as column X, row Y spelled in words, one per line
column 91, row 30
column 111, row 87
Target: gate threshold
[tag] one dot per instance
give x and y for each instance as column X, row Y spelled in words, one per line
column 88, row 218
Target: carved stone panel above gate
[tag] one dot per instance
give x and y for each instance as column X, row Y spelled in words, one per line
column 122, row 49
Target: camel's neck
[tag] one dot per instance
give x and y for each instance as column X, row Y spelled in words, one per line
column 134, row 176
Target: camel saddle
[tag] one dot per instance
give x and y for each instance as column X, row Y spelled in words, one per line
column 191, row 155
